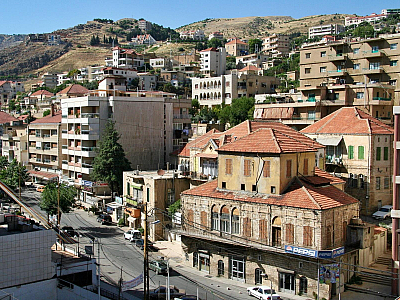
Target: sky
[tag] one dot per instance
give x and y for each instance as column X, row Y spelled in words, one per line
column 44, row 16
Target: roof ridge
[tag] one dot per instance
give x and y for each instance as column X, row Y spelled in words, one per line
column 293, row 138
column 274, row 139
column 330, row 119
column 310, row 196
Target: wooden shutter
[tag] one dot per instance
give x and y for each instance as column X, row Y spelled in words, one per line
column 246, row 227
column 263, row 229
column 290, row 234
column 246, row 171
column 305, row 167
column 288, row 168
column 360, row 152
column 228, row 166
column 307, row 236
column 351, row 152
column 190, row 216
column 267, row 169
column 385, row 153
column 203, row 218
column 378, row 153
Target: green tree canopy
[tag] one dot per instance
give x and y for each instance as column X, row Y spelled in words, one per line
column 73, row 74
column 12, row 173
column 110, row 161
column 214, row 43
column 252, row 45
column 241, row 109
column 49, row 198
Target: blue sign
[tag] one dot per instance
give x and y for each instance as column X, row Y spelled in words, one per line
column 87, row 183
column 324, row 254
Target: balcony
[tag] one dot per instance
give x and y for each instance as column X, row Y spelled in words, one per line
column 382, row 99
column 374, row 70
column 337, row 73
column 373, row 53
column 337, row 57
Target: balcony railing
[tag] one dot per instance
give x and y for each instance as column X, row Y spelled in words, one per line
column 90, row 115
column 89, row 148
column 85, row 165
column 65, row 162
column 182, row 116
column 381, row 98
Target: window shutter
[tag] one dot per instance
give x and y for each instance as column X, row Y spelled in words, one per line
column 246, row 167
column 307, row 236
column 305, row 167
column 360, row 152
column 351, row 152
column 246, row 227
column 228, row 166
column 267, row 169
column 385, row 153
column 203, row 218
column 263, row 229
column 288, row 168
column 289, row 233
column 378, row 153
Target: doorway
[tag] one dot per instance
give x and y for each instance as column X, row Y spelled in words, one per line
column 237, row 268
column 286, row 283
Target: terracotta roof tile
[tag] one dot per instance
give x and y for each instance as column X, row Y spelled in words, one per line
column 250, row 68
column 42, row 92
column 74, row 89
column 236, row 41
column 49, row 119
column 322, row 178
column 348, row 120
column 6, row 118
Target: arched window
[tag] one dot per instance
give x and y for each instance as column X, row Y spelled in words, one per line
column 225, row 220
column 214, row 218
column 276, row 231
column 235, row 221
column 221, row 268
column 303, row 285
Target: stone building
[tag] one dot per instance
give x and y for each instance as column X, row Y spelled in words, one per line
column 271, row 216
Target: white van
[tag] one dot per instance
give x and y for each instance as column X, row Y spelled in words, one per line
column 132, row 235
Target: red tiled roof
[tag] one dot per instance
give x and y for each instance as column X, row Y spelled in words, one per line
column 42, row 92
column 209, row 49
column 2, row 82
column 322, row 178
column 298, row 195
column 250, row 68
column 74, row 89
column 42, row 174
column 236, row 41
column 207, row 155
column 6, row 118
column 348, row 120
column 23, row 117
column 199, row 142
column 49, row 119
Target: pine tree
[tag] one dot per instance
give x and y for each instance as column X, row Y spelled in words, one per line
column 110, row 161
column 104, row 39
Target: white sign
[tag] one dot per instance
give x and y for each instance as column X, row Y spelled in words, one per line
column 127, row 285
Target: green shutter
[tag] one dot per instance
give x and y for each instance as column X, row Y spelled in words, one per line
column 351, row 152
column 360, row 152
column 128, row 189
column 378, row 153
column 385, row 153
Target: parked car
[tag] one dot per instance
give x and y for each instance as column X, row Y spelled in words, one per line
column 159, row 266
column 383, row 212
column 104, row 219
column 70, row 231
column 161, row 292
column 263, row 293
column 132, row 235
column 40, row 188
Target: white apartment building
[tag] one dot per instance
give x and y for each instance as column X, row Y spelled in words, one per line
column 276, row 45
column 162, row 63
column 370, row 19
column 144, row 123
column 327, row 29
column 217, row 90
column 213, row 61
column 124, row 58
column 258, row 60
column 144, row 39
column 217, row 35
column 197, row 35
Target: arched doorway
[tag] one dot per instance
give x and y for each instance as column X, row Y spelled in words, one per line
column 214, row 218
column 276, row 231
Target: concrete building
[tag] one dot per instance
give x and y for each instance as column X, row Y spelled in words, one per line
column 13, row 138
column 217, row 35
column 358, row 149
column 258, row 60
column 348, row 21
column 237, row 48
column 322, row 30
column 162, row 63
column 50, row 80
column 213, row 62
column 276, row 45
column 144, row 25
column 159, row 189
column 124, row 58
column 269, row 213
column 144, row 39
column 9, row 90
column 197, row 35
column 217, row 90
column 145, row 125
column 45, row 146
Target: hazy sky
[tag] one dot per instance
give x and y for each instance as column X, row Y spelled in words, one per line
column 43, row 16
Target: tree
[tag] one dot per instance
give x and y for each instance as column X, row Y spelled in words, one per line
column 73, row 74
column 169, row 88
column 252, row 45
column 49, row 198
column 46, row 112
column 11, row 105
column 214, row 43
column 241, row 110
column 12, row 173
column 110, row 161
column 230, row 62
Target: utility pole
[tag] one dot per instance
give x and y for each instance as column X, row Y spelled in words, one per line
column 98, row 267
column 19, row 186
column 120, row 286
column 58, row 202
column 145, row 257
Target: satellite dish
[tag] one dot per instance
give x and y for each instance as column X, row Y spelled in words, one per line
column 160, row 172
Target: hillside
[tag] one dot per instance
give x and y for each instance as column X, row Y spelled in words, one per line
column 7, row 41
column 257, row 27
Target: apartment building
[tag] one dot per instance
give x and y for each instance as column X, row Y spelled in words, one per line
column 9, row 90
column 348, row 21
column 144, row 123
column 276, row 45
column 124, row 58
column 45, row 146
column 359, row 149
column 162, row 63
column 327, row 29
column 197, row 35
column 50, row 80
column 144, row 25
column 237, row 48
column 268, row 218
column 213, row 61
column 258, row 60
column 217, row 90
column 217, row 35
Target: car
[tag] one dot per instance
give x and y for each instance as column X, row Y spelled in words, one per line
column 40, row 188
column 383, row 212
column 159, row 266
column 70, row 231
column 132, row 235
column 161, row 292
column 263, row 293
column 104, row 219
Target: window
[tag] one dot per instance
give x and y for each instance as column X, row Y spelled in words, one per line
column 351, row 152
column 224, row 184
column 392, row 82
column 221, row 268
column 288, row 169
column 273, row 190
column 258, row 276
column 377, row 183
column 378, row 153
column 375, row 49
column 356, row 50
column 247, row 165
column 360, row 95
column 267, row 169
column 235, row 221
column 128, row 189
column 356, row 66
column 386, row 183
column 308, row 55
column 385, row 153
column 360, row 152
column 225, row 220
column 243, row 187
column 374, row 65
column 323, row 53
column 214, row 218
column 393, row 63
column 289, row 234
column 307, row 70
column 393, row 46
column 228, row 166
column 307, row 236
column 322, row 69
column 305, row 167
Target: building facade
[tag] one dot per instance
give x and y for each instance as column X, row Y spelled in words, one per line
column 276, row 45
column 327, row 29
column 237, row 48
column 213, row 62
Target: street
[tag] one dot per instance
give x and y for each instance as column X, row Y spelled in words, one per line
column 118, row 255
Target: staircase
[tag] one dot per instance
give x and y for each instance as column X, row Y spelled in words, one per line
column 378, row 278
column 384, row 261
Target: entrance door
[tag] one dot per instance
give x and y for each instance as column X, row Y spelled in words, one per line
column 276, row 236
column 237, row 268
column 204, row 262
column 286, row 283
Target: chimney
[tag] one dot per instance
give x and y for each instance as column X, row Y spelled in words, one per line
column 52, row 109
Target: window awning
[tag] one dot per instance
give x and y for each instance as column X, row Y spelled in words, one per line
column 329, row 141
column 43, row 175
column 207, row 155
column 274, row 113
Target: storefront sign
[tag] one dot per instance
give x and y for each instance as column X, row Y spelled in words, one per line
column 132, row 283
column 324, row 254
